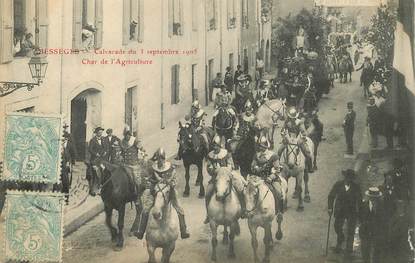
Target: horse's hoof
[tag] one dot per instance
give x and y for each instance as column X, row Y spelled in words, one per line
column 300, row 209
column 295, row 195
column 307, row 199
column 315, row 168
column 118, row 248
column 186, row 194
column 201, row 195
column 278, row 235
column 225, row 241
column 197, row 183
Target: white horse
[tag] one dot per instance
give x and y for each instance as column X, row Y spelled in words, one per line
column 260, row 206
column 224, row 209
column 268, row 116
column 293, row 162
column 162, row 231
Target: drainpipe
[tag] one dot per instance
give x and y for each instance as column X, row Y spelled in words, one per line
column 206, row 64
column 162, row 67
column 61, row 64
column 220, row 38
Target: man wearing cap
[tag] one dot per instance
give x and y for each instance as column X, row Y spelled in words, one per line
column 228, row 80
column 348, row 127
column 163, row 171
column 223, row 98
column 216, row 84
column 373, row 121
column 372, row 226
column 293, row 131
column 68, row 159
column 108, row 142
column 347, row 195
column 131, row 148
column 217, row 158
column 266, row 166
column 97, row 151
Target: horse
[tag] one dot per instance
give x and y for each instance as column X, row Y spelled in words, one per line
column 193, row 152
column 294, row 165
column 224, row 209
column 223, row 123
column 162, row 231
column 260, row 206
column 314, row 130
column 268, row 116
column 116, row 191
column 345, row 67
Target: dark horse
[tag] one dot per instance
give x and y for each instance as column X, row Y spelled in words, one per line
column 194, row 148
column 116, row 191
column 223, row 123
column 243, row 151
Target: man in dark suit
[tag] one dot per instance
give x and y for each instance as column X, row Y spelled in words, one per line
column 348, row 126
column 238, row 73
column 372, row 226
column 348, row 199
column 108, row 141
column 97, row 151
column 228, row 80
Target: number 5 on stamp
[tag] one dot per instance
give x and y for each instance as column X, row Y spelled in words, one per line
column 32, row 148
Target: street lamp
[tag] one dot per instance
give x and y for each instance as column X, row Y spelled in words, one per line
column 37, row 65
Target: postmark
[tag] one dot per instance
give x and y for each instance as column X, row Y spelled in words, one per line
column 34, row 226
column 32, row 148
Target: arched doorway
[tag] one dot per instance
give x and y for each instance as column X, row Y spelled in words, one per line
column 85, row 116
column 267, row 57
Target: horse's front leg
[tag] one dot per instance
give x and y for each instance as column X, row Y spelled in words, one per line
column 186, row 192
column 108, row 222
column 315, row 157
column 295, row 194
column 200, row 176
column 307, row 197
column 120, row 239
column 167, row 252
column 254, row 240
column 231, row 252
column 267, row 242
column 214, row 230
column 299, row 182
column 151, row 255
column 138, row 209
column 225, row 239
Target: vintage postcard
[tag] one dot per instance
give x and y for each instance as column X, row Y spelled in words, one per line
column 207, row 131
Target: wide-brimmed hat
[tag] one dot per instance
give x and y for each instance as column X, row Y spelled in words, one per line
column 373, row 192
column 348, row 173
column 97, row 129
column 242, row 77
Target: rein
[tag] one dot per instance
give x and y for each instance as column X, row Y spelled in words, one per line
column 257, row 202
column 277, row 112
column 228, row 190
column 291, row 149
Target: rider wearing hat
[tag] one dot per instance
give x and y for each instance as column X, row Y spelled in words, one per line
column 223, row 98
column 163, row 171
column 97, row 151
column 294, row 130
column 220, row 157
column 247, row 120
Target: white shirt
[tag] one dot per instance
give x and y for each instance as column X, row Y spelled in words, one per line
column 300, row 41
column 370, row 206
column 347, row 187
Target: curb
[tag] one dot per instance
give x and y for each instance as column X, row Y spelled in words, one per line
column 83, row 218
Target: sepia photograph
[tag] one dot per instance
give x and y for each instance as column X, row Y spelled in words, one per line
column 183, row 131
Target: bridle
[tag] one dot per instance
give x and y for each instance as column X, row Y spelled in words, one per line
column 278, row 111
column 228, row 189
column 257, row 201
column 161, row 190
column 291, row 148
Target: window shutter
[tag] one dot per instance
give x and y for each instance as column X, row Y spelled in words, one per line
column 172, row 84
column 77, row 24
column 177, row 71
column 6, row 31
column 140, row 20
column 99, row 23
column 181, row 7
column 126, row 22
column 194, row 14
column 170, row 17
column 43, row 23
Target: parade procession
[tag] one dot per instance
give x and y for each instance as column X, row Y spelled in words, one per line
column 207, row 131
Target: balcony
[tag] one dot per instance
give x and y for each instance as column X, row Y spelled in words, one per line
column 232, row 22
column 177, row 29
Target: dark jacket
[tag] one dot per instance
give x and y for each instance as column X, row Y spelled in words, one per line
column 367, row 74
column 108, row 145
column 349, row 120
column 373, row 224
column 97, row 151
column 347, row 202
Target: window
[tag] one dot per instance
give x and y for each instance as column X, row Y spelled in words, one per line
column 231, row 62
column 175, row 18
column 211, row 15
column 18, row 28
column 27, row 109
column 245, row 20
column 195, row 14
column 133, row 21
column 231, row 13
column 87, row 24
column 175, row 84
column 131, row 109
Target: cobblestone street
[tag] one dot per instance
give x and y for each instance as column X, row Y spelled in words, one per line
column 304, row 232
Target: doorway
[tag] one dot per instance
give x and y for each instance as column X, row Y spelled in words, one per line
column 210, row 77
column 267, row 57
column 195, row 95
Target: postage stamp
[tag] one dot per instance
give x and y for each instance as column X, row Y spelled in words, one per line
column 34, row 226
column 32, row 148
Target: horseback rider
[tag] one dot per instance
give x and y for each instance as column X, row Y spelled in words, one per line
column 247, row 120
column 262, row 92
column 266, row 166
column 223, row 98
column 294, row 132
column 163, row 171
column 197, row 122
column 309, row 97
column 97, row 152
column 220, row 157
column 131, row 148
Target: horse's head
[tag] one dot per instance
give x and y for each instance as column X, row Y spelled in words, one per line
column 292, row 154
column 186, row 138
column 161, row 200
column 96, row 177
column 251, row 194
column 223, row 183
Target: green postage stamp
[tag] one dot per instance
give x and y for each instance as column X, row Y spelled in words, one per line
column 32, row 148
column 34, row 226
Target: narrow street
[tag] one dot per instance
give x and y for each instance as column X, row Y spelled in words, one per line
column 304, row 232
